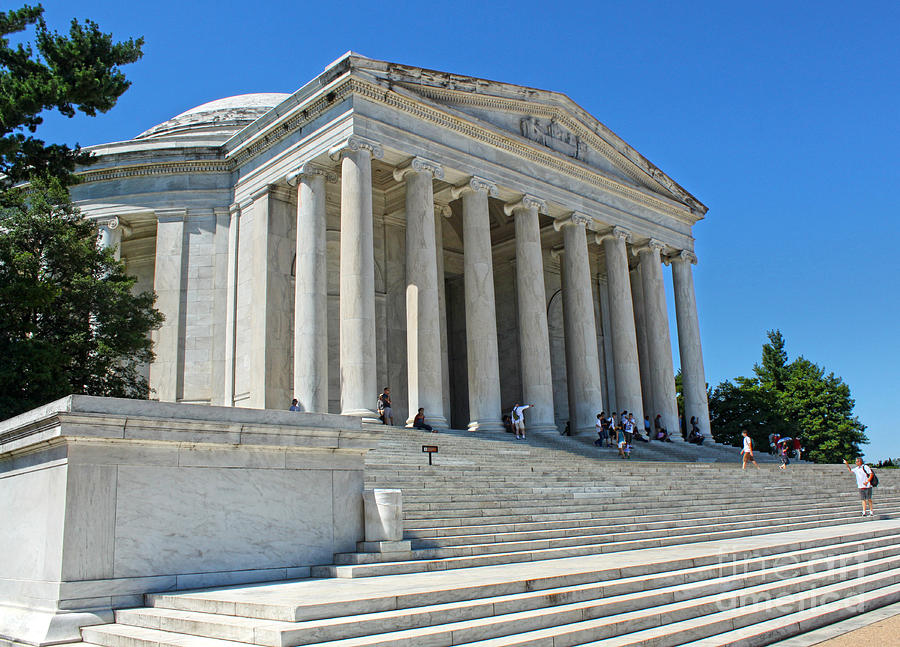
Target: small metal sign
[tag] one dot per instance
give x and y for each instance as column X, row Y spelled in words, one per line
column 429, row 449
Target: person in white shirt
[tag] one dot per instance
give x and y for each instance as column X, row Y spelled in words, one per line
column 747, row 451
column 518, row 419
column 863, row 474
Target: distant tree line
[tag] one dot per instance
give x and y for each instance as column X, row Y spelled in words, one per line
column 796, row 399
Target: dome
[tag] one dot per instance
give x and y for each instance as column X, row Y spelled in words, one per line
column 222, row 117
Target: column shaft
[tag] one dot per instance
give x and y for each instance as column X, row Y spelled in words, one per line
column 659, row 345
column 231, row 276
column 640, row 329
column 582, row 360
column 167, row 370
column 423, row 332
column 357, row 302
column 439, row 215
column 609, row 400
column 621, row 314
column 311, row 295
column 534, row 335
column 482, row 355
column 693, row 376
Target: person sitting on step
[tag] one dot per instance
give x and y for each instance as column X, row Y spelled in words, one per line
column 419, row 422
column 661, row 432
column 694, row 436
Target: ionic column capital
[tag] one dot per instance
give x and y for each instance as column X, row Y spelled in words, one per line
column 575, row 218
column 681, row 256
column 441, row 209
column 652, row 245
column 619, row 233
column 353, row 144
column 525, row 202
column 308, row 169
column 419, row 165
column 476, row 184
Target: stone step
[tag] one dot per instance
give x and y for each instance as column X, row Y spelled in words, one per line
column 501, row 615
column 443, row 511
column 702, row 618
column 623, row 518
column 694, row 606
column 801, row 622
column 618, row 532
column 317, row 599
column 472, row 558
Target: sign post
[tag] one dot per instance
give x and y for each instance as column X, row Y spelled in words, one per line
column 429, row 449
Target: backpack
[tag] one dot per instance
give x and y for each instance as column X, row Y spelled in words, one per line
column 869, row 470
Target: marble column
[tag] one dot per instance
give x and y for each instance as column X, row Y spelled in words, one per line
column 423, row 329
column 693, row 375
column 609, row 400
column 659, row 345
column 534, row 335
column 311, row 289
column 109, row 235
column 582, row 358
column 640, row 328
column 167, row 370
column 359, row 389
column 621, row 315
column 231, row 280
column 482, row 355
column 442, row 211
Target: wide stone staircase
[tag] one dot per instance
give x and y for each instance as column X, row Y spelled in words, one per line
column 555, row 542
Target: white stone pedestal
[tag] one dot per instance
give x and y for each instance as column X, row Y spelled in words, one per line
column 103, row 500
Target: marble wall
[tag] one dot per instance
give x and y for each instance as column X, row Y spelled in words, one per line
column 115, row 498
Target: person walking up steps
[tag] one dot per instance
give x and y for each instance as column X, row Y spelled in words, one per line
column 747, row 451
column 518, row 417
column 864, row 481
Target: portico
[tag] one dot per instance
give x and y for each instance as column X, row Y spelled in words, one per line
column 393, row 226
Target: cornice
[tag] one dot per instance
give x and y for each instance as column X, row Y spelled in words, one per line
column 491, row 137
column 155, row 168
column 306, row 113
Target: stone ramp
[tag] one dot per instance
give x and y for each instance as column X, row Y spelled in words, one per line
column 529, row 544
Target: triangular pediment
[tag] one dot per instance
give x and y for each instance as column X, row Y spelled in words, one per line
column 548, row 120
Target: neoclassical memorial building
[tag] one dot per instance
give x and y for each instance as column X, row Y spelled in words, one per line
column 471, row 244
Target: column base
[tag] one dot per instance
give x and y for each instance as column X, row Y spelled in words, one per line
column 439, row 423
column 490, row 426
column 541, row 428
column 368, row 416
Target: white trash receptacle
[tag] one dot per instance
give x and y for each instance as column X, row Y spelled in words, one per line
column 384, row 515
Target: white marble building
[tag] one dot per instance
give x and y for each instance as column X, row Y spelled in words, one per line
column 469, row 243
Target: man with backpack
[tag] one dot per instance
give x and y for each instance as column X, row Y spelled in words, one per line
column 865, row 481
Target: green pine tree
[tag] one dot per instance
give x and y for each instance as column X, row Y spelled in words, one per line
column 69, row 320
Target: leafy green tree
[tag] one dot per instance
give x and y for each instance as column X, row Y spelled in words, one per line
column 772, row 369
column 745, row 404
column 793, row 399
column 76, row 72
column 821, row 410
column 69, row 321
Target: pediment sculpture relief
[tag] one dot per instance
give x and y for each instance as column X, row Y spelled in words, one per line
column 549, row 133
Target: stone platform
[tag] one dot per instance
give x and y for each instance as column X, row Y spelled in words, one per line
column 104, row 500
column 552, row 542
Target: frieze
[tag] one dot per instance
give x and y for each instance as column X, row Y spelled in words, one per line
column 550, row 133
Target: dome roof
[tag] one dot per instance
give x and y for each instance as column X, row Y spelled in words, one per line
column 222, row 117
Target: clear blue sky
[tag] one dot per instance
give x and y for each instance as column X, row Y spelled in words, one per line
column 782, row 117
